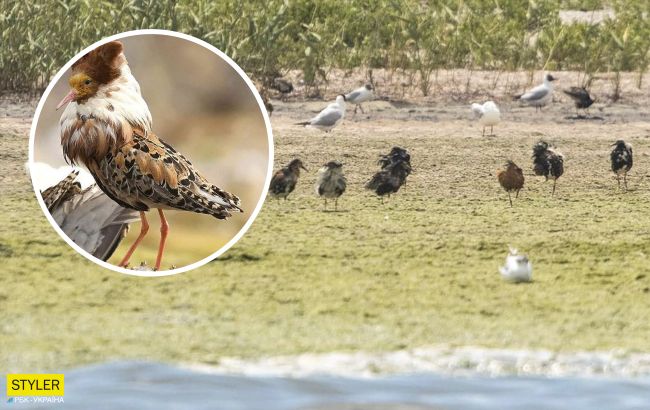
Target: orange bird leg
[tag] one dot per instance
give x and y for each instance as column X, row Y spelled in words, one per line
column 164, row 229
column 144, row 228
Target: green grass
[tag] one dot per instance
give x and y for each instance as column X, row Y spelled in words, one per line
column 419, row 270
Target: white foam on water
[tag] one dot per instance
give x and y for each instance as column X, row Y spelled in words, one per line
column 442, row 360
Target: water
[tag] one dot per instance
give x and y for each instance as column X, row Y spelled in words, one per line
column 141, row 385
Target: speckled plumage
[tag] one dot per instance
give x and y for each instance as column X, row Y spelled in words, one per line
column 107, row 127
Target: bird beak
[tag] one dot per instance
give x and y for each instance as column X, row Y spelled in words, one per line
column 303, row 167
column 70, row 97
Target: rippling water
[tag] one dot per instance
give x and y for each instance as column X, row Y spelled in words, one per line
column 139, row 385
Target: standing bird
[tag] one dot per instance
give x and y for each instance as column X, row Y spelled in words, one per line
column 284, row 87
column 331, row 182
column 488, row 114
column 539, row 96
column 622, row 161
column 511, row 179
column 106, row 126
column 517, row 268
column 547, row 162
column 284, row 181
column 84, row 213
column 580, row 96
column 330, row 117
column 395, row 167
column 360, row 95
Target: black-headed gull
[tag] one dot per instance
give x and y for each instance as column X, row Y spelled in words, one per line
column 539, row 96
column 330, row 117
column 360, row 95
column 488, row 114
column 517, row 268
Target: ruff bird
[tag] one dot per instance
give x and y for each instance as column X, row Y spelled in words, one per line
column 284, row 181
column 511, row 178
column 284, row 87
column 84, row 213
column 488, row 115
column 329, row 117
column 547, row 162
column 107, row 127
column 396, row 154
column 580, row 97
column 360, row 95
column 391, row 177
column 331, row 183
column 517, row 268
column 622, row 161
column 539, row 96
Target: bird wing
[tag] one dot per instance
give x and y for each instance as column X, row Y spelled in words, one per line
column 279, row 182
column 94, row 221
column 353, row 95
column 577, row 93
column 146, row 172
column 328, row 117
column 62, row 191
column 535, row 94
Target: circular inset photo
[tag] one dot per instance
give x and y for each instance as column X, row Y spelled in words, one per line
column 150, row 152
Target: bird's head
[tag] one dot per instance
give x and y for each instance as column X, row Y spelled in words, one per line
column 369, row 87
column 549, row 78
column 619, row 143
column 295, row 165
column 333, row 165
column 99, row 67
column 341, row 98
column 511, row 165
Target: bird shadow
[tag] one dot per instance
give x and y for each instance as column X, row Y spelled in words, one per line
column 580, row 117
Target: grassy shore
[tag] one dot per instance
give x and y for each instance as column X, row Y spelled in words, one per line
column 419, row 270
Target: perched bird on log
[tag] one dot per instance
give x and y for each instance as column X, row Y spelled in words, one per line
column 622, row 161
column 107, row 127
column 488, row 115
column 331, row 182
column 84, row 213
column 511, row 178
column 517, row 268
column 360, row 95
column 547, row 162
column 539, row 96
column 580, row 97
column 284, row 181
column 329, row 117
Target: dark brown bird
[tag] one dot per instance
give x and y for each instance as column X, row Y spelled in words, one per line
column 511, row 178
column 622, row 161
column 284, row 181
column 391, row 177
column 284, row 87
column 547, row 162
column 580, row 97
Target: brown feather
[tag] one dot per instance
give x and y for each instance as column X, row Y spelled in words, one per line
column 101, row 64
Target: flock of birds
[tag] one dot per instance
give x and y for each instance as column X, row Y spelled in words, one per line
column 395, row 167
column 107, row 127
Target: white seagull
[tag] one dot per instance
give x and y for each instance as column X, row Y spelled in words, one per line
column 517, row 268
column 330, row 117
column 360, row 95
column 539, row 96
column 488, row 115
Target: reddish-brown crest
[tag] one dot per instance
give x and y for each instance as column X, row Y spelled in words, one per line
column 101, row 64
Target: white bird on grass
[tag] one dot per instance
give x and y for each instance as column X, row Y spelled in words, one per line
column 517, row 268
column 330, row 117
column 539, row 96
column 360, row 95
column 488, row 114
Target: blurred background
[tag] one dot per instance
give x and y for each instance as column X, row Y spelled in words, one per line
column 204, row 109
